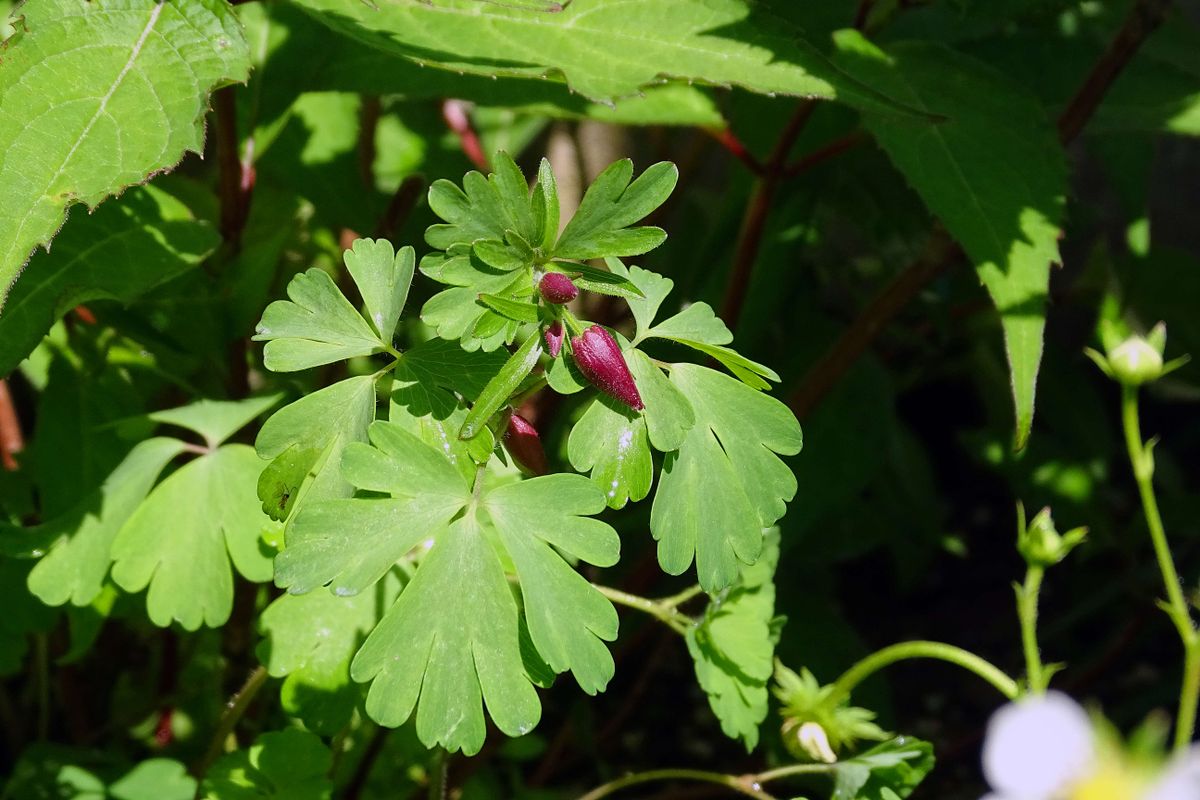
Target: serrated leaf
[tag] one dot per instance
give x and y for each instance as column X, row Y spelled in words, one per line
column 141, row 76
column 888, row 771
column 725, row 483
column 449, row 644
column 310, row 640
column 606, row 50
column 280, row 765
column 993, row 172
column 306, row 440
column 610, row 442
column 351, row 543
column 316, row 326
column 600, row 227
column 569, row 620
column 78, row 543
column 180, row 541
column 501, row 387
column 126, row 248
column 216, row 420
column 383, row 277
column 733, row 647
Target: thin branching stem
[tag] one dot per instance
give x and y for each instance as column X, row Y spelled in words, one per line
column 938, row 651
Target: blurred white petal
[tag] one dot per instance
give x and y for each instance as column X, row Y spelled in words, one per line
column 1181, row 781
column 1037, row 747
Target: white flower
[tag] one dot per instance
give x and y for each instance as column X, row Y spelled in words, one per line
column 1045, row 748
column 1037, row 748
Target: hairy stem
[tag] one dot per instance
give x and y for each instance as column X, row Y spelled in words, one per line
column 793, row 769
column 1141, row 458
column 744, row 786
column 1027, row 611
column 938, row 651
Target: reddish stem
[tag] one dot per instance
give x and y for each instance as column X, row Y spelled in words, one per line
column 727, row 139
column 11, row 440
column 459, row 120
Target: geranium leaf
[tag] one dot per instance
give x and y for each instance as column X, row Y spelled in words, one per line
column 610, row 442
column 141, row 72
column 888, row 771
column 992, row 171
column 696, row 323
column 725, row 483
column 184, row 557
column 733, row 647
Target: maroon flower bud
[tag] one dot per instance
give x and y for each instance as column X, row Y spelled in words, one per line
column 557, row 288
column 524, row 445
column 554, row 337
column 599, row 358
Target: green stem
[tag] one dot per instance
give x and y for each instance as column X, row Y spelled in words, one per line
column 1142, row 460
column 743, row 786
column 661, row 611
column 794, row 769
column 234, row 710
column 921, row 649
column 438, row 773
column 676, row 600
column 1027, row 610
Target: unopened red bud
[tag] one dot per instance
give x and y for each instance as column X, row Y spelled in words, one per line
column 554, row 337
column 524, row 445
column 557, row 288
column 599, row 358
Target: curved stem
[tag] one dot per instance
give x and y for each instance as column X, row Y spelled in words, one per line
column 1027, row 610
column 747, row 787
column 794, row 769
column 677, row 600
column 922, row 649
column 662, row 611
column 1142, row 460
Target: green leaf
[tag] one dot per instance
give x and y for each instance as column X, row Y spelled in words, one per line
column 751, row 373
column 352, row 543
column 600, row 227
column 993, row 172
column 668, row 413
column 216, row 420
column 439, row 362
column 654, row 289
column 184, row 557
column 888, row 771
column 457, row 314
column 310, row 639
column 501, row 387
column 280, row 765
column 155, row 779
column 605, row 51
column 317, row 326
column 733, row 647
column 569, row 620
column 610, row 442
column 696, row 323
column 486, row 212
column 725, row 483
column 120, row 252
column 512, row 309
column 449, row 644
column 306, row 440
column 383, row 277
column 77, row 544
column 599, row 280
column 142, row 72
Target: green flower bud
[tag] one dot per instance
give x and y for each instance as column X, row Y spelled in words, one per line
column 1136, row 361
column 1040, row 543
